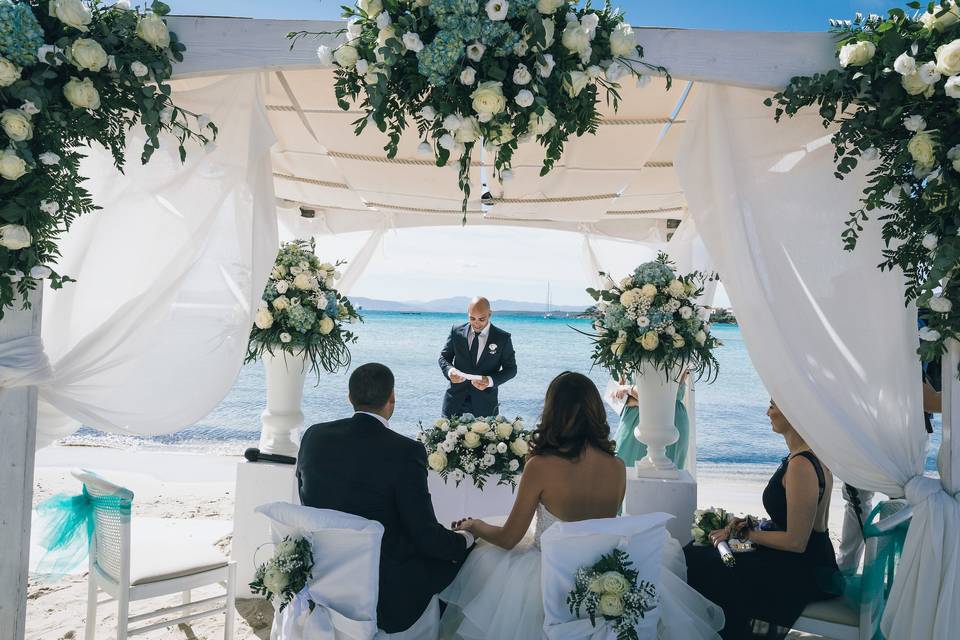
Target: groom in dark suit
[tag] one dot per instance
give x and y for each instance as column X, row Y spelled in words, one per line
column 476, row 348
column 359, row 465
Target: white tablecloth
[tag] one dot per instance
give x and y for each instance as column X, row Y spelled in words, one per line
column 453, row 503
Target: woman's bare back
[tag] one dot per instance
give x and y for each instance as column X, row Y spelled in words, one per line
column 591, row 486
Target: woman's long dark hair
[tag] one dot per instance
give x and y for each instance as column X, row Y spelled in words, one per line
column 573, row 419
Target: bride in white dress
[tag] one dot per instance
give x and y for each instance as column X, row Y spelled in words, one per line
column 571, row 475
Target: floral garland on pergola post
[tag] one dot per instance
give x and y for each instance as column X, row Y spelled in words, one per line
column 74, row 73
column 896, row 101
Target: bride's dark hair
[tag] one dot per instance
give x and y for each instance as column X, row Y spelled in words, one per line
column 573, row 418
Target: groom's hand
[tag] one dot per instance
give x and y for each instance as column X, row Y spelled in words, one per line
column 455, row 376
column 482, row 383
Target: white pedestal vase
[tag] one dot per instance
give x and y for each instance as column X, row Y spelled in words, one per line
column 283, row 417
column 657, row 404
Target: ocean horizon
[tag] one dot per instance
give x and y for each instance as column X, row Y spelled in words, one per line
column 731, row 423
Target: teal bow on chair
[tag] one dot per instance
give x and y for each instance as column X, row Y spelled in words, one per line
column 68, row 523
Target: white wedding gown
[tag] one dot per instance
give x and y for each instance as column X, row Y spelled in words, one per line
column 497, row 595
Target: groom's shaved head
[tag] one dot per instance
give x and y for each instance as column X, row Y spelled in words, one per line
column 478, row 304
column 478, row 313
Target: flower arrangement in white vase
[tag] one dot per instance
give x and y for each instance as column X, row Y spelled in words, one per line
column 300, row 325
column 650, row 330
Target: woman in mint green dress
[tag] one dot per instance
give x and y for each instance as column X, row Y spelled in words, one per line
column 629, row 449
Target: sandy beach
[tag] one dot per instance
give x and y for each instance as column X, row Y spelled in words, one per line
column 198, row 489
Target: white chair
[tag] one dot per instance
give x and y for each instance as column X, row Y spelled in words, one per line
column 838, row 620
column 346, row 576
column 567, row 546
column 148, row 562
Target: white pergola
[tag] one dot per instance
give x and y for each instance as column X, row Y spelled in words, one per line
column 619, row 184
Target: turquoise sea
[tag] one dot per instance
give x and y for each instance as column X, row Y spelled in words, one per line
column 732, row 427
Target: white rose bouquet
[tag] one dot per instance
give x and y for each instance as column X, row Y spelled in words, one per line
column 478, row 448
column 706, row 521
column 652, row 315
column 73, row 73
column 302, row 312
column 893, row 103
column 609, row 590
column 286, row 573
column 478, row 72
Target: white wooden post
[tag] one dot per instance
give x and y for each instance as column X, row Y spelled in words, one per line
column 18, row 436
column 949, row 457
column 690, row 399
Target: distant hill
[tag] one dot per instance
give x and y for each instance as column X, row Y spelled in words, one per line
column 457, row 305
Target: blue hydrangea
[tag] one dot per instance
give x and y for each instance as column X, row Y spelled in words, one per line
column 616, row 318
column 20, row 33
column 655, row 273
column 467, row 417
column 439, row 59
column 520, row 7
column 659, row 319
column 331, row 309
column 301, row 318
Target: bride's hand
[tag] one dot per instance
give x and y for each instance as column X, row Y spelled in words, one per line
column 467, row 524
column 719, row 535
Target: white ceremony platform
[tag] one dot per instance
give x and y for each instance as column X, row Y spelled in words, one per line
column 701, row 171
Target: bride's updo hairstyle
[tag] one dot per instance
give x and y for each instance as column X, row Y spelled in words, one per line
column 573, row 419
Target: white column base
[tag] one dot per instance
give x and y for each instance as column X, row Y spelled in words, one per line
column 257, row 483
column 677, row 497
column 646, row 469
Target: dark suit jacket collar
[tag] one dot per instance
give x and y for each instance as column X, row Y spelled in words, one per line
column 367, row 420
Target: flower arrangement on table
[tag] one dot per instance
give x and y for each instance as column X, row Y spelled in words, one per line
column 482, row 72
column 74, row 73
column 282, row 577
column 609, row 590
column 894, row 102
column 651, row 316
column 478, row 448
column 302, row 313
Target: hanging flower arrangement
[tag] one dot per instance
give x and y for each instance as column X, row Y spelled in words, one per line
column 72, row 74
column 895, row 101
column 490, row 73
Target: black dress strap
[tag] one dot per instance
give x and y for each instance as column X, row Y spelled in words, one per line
column 821, row 478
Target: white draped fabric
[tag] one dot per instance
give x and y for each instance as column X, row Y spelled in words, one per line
column 152, row 335
column 826, row 330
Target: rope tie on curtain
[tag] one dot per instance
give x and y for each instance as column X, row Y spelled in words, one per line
column 921, row 487
column 23, row 363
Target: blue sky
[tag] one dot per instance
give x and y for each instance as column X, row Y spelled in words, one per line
column 747, row 15
column 516, row 264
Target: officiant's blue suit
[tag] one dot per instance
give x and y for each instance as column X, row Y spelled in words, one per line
column 497, row 360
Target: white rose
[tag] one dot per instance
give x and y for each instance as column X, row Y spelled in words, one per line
column 468, row 76
column 519, row 447
column 166, row 115
column 16, row 124
column 362, row 67
column 501, row 447
column 676, row 289
column 471, row 440
column 475, row 51
column 521, row 75
column 15, row 236
column 615, row 71
column 282, row 286
column 457, row 475
column 928, row 73
column 428, row 113
column 40, row 272
column 49, row 49
column 488, row 461
column 930, row 241
column 546, row 68
column 542, row 123
column 88, row 54
column 49, row 207
column 943, row 22
column 504, row 430
column 385, row 34
column 575, row 38
column 922, row 149
column 928, row 335
column 549, row 7
column 513, row 465
column 574, row 82
column 285, row 548
column 650, row 341
column 614, row 582
column 139, row 69
column 700, row 337
column 304, row 282
column 952, row 87
column 285, row 337
column 326, row 325
column 611, row 605
column 590, row 22
column 497, row 10
column 520, row 49
column 443, row 424
column 384, row 20
column 915, row 123
column 82, row 94
column 488, row 98
column 264, row 319
column 153, row 30
column 678, row 341
column 594, row 71
column 275, row 580
column 857, row 54
column 686, row 313
column 9, row 72
column 281, row 302
column 12, row 166
column 524, row 98
column 346, row 56
column 623, row 42
column 447, row 142
column 354, row 29
column 913, row 85
column 648, row 291
column 370, row 7
column 437, row 461
column 412, row 42
column 325, row 55
column 49, row 158
column 939, row 304
column 72, row 13
column 29, row 108
column 905, row 64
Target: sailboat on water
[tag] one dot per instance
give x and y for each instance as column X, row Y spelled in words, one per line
column 549, row 312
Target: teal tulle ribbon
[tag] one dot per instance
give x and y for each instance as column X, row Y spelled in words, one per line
column 68, row 523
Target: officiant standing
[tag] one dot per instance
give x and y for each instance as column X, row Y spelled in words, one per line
column 477, row 359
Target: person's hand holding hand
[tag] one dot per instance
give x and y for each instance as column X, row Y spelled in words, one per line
column 719, row 535
column 482, row 383
column 466, row 524
column 455, row 376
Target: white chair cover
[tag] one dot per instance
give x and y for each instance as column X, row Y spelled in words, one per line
column 346, row 556
column 567, row 546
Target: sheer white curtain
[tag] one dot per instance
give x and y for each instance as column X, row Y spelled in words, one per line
column 152, row 335
column 826, row 330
